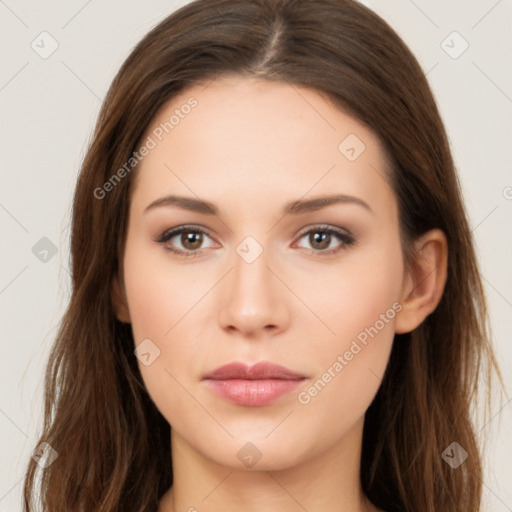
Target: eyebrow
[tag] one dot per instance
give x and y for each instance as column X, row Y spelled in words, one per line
column 291, row 208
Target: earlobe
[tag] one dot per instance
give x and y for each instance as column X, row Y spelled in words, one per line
column 425, row 281
column 119, row 301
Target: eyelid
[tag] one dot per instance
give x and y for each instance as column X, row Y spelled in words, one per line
column 172, row 232
column 324, row 227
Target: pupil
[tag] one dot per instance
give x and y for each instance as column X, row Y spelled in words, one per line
column 189, row 240
column 317, row 238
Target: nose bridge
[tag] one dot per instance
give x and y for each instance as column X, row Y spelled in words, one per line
column 253, row 299
column 250, row 274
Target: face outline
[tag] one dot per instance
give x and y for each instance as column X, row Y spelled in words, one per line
column 225, row 309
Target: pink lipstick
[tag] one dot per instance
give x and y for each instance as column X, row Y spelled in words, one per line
column 253, row 386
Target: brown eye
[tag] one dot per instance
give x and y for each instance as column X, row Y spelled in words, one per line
column 184, row 241
column 319, row 240
column 322, row 240
column 191, row 240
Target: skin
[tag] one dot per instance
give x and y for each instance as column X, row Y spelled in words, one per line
column 251, row 146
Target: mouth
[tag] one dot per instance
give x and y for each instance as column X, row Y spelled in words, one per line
column 252, row 386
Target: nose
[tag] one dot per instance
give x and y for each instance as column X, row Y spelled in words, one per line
column 253, row 299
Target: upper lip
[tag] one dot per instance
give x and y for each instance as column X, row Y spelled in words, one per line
column 261, row 370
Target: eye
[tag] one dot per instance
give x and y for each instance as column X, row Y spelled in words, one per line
column 189, row 237
column 320, row 239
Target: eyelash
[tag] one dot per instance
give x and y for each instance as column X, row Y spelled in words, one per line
column 346, row 238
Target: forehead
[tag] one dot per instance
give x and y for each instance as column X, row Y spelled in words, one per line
column 260, row 140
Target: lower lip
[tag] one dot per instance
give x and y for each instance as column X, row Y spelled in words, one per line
column 252, row 393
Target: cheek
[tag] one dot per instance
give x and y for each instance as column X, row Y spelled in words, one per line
column 354, row 295
column 359, row 306
column 164, row 300
column 159, row 293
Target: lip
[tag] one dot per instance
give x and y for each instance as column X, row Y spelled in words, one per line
column 255, row 385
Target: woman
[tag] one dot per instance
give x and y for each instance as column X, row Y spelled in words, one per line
column 276, row 303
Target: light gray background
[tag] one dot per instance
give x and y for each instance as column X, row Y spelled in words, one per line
column 48, row 108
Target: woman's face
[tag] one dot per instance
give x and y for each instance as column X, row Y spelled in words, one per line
column 273, row 275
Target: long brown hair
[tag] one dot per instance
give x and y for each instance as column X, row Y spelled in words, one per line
column 113, row 444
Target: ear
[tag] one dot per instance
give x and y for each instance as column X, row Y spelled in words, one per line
column 424, row 282
column 120, row 301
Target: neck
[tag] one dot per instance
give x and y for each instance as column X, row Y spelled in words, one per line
column 327, row 481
